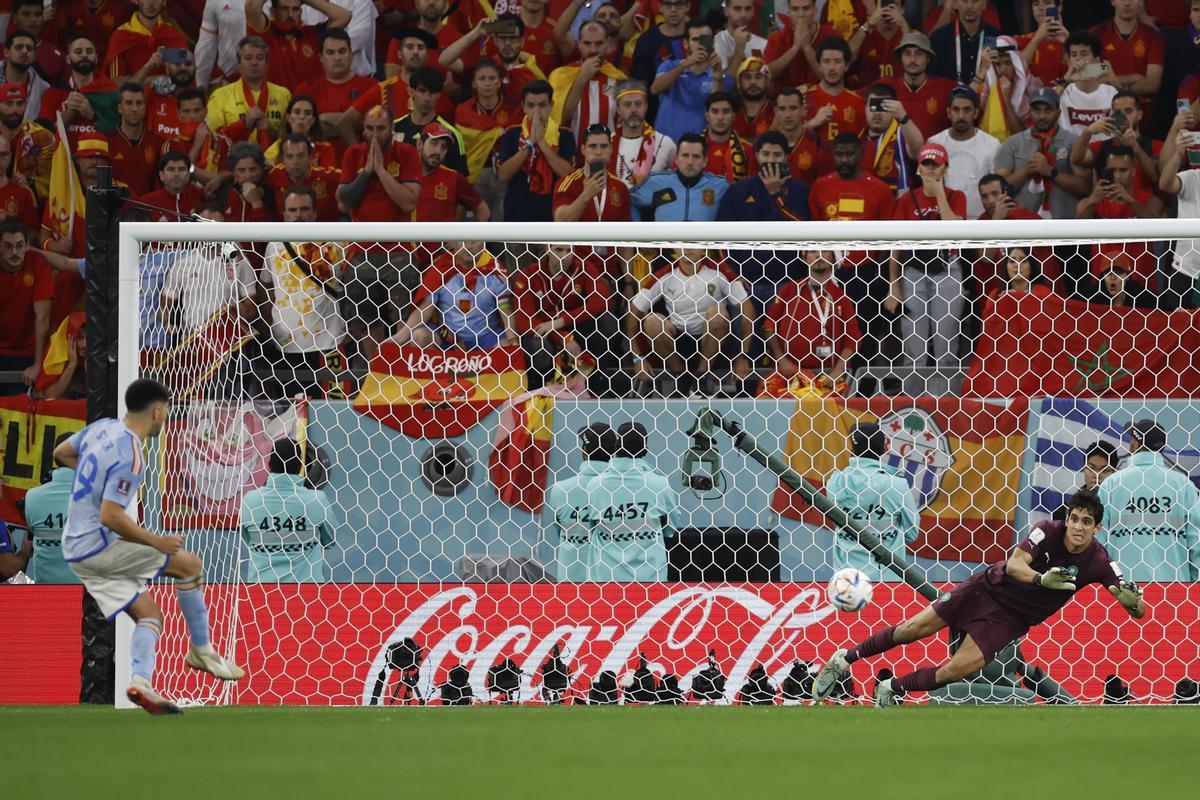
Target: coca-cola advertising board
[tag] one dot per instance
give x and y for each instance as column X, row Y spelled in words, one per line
column 326, row 644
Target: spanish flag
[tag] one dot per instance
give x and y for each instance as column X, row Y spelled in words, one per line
column 66, row 192
column 480, row 130
column 993, row 121
column 58, row 349
column 439, row 394
column 961, row 457
column 520, row 459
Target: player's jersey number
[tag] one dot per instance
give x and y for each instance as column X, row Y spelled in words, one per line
column 85, row 476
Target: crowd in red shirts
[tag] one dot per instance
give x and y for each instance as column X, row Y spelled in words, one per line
column 559, row 110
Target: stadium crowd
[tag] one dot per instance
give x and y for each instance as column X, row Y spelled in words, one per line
column 427, row 110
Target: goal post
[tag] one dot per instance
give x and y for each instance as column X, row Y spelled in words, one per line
column 445, row 560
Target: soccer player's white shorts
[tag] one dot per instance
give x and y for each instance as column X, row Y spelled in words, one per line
column 116, row 575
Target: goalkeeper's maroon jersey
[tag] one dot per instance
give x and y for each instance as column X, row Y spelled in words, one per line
column 1032, row 604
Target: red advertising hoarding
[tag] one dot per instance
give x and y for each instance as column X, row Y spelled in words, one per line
column 325, row 644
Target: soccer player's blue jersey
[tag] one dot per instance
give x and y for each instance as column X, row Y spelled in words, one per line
column 566, row 514
column 110, row 467
column 286, row 527
column 46, row 513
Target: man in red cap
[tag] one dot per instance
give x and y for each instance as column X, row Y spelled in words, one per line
column 59, row 235
column 32, row 145
column 443, row 190
column 294, row 46
column 929, row 283
column 135, row 49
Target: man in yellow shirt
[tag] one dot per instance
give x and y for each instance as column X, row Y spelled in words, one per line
column 251, row 108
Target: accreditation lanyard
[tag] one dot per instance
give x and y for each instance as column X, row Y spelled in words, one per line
column 598, row 202
column 822, row 311
column 958, row 48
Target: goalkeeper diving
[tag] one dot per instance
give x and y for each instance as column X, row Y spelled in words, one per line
column 998, row 605
column 115, row 557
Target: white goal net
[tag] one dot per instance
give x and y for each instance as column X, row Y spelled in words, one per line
column 460, row 463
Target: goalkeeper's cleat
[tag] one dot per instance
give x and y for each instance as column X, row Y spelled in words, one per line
column 214, row 665
column 140, row 694
column 885, row 694
column 827, row 679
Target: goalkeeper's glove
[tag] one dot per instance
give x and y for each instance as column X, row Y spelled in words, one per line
column 1056, row 578
column 1128, row 594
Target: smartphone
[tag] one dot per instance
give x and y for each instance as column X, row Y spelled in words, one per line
column 1051, row 12
column 1098, row 70
column 1182, row 105
column 500, row 27
column 706, row 41
column 875, row 104
column 989, row 42
column 1108, row 176
column 175, row 55
column 596, row 166
column 1119, row 120
column 1193, row 157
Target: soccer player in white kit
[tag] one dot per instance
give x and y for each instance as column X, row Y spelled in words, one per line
column 115, row 557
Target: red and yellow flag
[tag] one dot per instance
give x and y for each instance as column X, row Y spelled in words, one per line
column 439, row 394
column 66, row 192
column 520, row 459
column 962, row 459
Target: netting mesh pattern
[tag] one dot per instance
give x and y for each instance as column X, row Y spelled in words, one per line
column 512, row 478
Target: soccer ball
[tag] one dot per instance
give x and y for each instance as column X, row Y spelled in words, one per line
column 849, row 590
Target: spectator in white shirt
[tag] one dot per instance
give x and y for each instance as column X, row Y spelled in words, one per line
column 222, row 27
column 1185, row 187
column 361, row 30
column 1086, row 96
column 737, row 43
column 972, row 151
column 700, row 299
column 303, row 290
column 205, row 280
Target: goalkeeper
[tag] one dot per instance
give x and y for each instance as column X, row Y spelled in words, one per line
column 998, row 605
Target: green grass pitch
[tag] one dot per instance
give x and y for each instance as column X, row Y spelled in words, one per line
column 627, row 753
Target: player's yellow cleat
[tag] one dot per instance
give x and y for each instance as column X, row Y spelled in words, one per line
column 213, row 664
column 140, row 694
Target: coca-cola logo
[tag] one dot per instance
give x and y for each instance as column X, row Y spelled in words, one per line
column 437, row 364
column 674, row 632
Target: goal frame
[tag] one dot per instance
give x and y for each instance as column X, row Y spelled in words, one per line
column 132, row 236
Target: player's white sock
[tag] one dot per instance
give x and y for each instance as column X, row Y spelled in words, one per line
column 143, row 646
column 190, row 593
